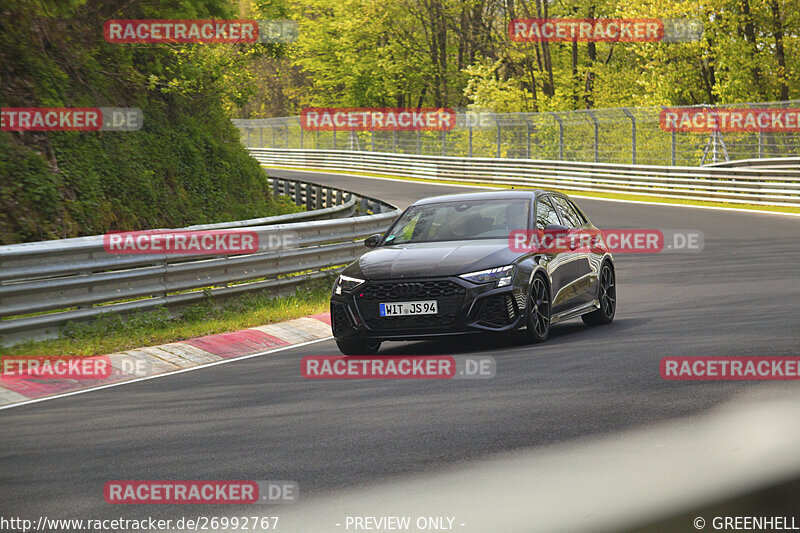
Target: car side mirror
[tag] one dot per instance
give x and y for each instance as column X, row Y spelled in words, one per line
column 372, row 241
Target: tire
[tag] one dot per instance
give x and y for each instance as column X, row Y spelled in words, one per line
column 539, row 309
column 607, row 297
column 358, row 347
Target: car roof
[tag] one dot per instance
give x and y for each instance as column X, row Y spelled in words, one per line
column 510, row 194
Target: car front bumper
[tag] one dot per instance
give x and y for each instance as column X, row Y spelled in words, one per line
column 463, row 307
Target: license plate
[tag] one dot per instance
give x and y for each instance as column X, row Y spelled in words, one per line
column 425, row 307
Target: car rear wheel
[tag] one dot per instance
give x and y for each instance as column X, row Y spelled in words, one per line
column 607, row 298
column 538, row 323
column 358, row 347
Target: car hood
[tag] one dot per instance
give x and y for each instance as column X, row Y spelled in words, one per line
column 428, row 259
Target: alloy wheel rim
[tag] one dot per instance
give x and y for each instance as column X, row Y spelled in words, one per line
column 541, row 307
column 608, row 291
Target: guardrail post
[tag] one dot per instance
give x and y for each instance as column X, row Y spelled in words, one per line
column 371, row 139
column 298, row 193
column 470, row 140
column 418, row 137
column 261, row 137
column 394, row 141
column 444, row 143
column 760, row 144
column 273, row 136
column 318, row 203
column 596, row 135
column 309, row 196
column 334, row 136
column 560, row 135
column 633, row 134
column 287, row 136
column 249, row 131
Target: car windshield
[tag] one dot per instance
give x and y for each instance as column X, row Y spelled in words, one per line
column 458, row 221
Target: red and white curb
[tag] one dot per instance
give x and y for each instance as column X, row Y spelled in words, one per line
column 176, row 357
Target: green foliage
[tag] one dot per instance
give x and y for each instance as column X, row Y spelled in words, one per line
column 487, row 90
column 458, row 52
column 185, row 166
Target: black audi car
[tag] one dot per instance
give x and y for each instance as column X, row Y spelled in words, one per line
column 452, row 265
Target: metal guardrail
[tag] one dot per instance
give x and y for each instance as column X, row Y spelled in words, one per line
column 736, row 185
column 77, row 279
column 774, row 163
column 625, row 135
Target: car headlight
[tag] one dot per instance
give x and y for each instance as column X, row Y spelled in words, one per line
column 347, row 284
column 501, row 275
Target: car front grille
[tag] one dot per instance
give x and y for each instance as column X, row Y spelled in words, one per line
column 448, row 294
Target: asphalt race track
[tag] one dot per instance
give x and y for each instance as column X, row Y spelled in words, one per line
column 259, row 419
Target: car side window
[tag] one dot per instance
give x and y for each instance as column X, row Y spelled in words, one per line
column 578, row 212
column 545, row 214
column 569, row 214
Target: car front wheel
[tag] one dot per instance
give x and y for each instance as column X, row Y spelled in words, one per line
column 538, row 324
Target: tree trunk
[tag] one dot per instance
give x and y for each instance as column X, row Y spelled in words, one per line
column 750, row 37
column 780, row 54
column 548, row 86
column 591, row 52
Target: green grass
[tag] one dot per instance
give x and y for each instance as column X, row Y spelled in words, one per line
column 591, row 194
column 113, row 333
